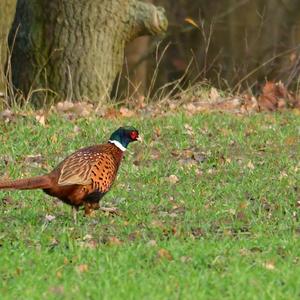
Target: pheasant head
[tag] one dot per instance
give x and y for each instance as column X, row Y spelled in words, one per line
column 123, row 136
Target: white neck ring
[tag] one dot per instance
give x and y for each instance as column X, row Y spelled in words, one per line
column 118, row 144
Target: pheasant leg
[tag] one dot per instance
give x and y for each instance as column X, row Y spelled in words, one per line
column 74, row 212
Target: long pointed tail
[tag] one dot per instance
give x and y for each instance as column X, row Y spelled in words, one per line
column 38, row 182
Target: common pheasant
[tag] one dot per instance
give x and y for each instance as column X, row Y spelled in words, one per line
column 85, row 176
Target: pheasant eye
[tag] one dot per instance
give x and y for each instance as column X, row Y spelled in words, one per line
column 134, row 135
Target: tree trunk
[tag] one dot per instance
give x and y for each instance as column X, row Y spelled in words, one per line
column 135, row 69
column 74, row 49
column 7, row 9
column 136, row 66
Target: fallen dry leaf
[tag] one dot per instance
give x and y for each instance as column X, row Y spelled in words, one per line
column 155, row 154
column 34, row 159
column 87, row 237
column 114, row 241
column 245, row 252
column 53, row 243
column 74, row 109
column 157, row 224
column 127, row 113
column 275, row 96
column 138, row 157
column 41, row 119
column 134, row 235
column 157, row 132
column 243, row 204
column 214, row 94
column 163, row 253
column 76, row 129
column 188, row 129
column 82, row 268
column 189, row 157
column 83, row 109
column 50, row 218
column 197, row 232
column 90, row 244
column 64, row 106
column 7, row 115
column 296, row 111
column 185, row 259
column 6, row 200
column 173, row 179
column 58, row 290
column 238, row 104
column 152, row 243
column 292, row 140
column 269, row 265
column 53, row 139
column 250, row 165
column 282, row 175
column 112, row 113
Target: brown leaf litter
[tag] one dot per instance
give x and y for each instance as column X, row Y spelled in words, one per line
column 274, row 96
column 190, row 156
column 73, row 109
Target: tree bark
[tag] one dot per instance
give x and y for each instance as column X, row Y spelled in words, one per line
column 7, row 9
column 74, row 49
column 136, row 68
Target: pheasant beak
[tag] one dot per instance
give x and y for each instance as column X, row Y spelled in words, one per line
column 140, row 139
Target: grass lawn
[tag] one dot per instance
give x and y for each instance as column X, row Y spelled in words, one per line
column 208, row 211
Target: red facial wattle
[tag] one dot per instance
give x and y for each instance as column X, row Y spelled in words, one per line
column 134, row 135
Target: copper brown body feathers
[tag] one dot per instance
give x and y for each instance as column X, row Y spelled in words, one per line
column 85, row 176
column 81, row 179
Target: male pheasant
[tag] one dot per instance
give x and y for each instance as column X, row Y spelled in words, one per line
column 85, row 176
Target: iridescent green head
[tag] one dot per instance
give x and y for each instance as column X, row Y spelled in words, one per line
column 123, row 136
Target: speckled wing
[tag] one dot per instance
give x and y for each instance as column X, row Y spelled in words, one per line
column 89, row 166
column 103, row 173
column 76, row 169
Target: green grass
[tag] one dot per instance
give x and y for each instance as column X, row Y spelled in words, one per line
column 228, row 229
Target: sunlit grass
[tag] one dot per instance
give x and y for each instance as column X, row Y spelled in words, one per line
column 228, row 228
